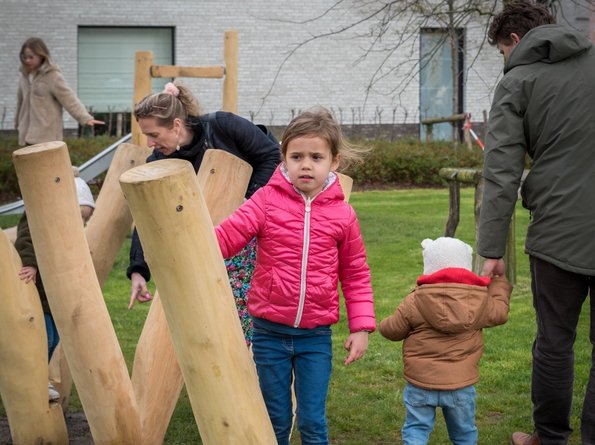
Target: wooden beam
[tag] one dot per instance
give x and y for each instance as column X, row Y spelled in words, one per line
column 142, row 87
column 209, row 72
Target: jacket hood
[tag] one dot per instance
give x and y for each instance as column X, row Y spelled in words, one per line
column 547, row 44
column 452, row 299
column 331, row 191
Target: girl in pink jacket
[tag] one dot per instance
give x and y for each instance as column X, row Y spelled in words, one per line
column 308, row 239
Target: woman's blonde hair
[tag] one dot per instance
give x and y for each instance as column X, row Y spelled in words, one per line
column 319, row 121
column 38, row 47
column 165, row 107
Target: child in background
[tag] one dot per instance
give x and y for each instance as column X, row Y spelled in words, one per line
column 308, row 239
column 441, row 321
column 28, row 273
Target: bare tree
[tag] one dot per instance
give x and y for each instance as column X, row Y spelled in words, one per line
column 389, row 31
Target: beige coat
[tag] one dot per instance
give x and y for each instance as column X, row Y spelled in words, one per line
column 39, row 106
column 441, row 325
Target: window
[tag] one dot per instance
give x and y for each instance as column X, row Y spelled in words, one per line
column 106, row 64
column 441, row 80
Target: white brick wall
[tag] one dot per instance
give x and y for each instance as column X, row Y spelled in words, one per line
column 323, row 72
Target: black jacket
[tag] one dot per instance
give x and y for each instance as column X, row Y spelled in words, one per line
column 224, row 131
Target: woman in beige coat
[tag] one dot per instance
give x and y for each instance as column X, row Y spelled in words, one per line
column 41, row 96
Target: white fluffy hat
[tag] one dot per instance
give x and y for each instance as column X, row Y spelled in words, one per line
column 446, row 252
column 84, row 192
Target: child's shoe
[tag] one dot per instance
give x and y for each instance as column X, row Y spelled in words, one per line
column 53, row 393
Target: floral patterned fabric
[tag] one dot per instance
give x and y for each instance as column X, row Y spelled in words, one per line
column 239, row 270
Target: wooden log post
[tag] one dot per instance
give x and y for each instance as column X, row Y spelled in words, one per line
column 346, row 184
column 105, row 234
column 44, row 172
column 11, row 233
column 111, row 219
column 182, row 252
column 23, row 359
column 230, row 83
column 142, row 86
column 156, row 375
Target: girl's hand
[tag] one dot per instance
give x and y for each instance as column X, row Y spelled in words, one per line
column 356, row 344
column 139, row 290
column 28, row 274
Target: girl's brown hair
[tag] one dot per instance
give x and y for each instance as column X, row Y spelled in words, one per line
column 166, row 107
column 319, row 122
column 38, row 47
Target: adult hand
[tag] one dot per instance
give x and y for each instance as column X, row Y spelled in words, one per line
column 28, row 274
column 95, row 122
column 139, row 290
column 356, row 344
column 494, row 267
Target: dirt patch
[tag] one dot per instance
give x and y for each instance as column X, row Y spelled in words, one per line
column 76, row 423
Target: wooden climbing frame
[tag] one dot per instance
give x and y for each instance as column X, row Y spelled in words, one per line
column 144, row 71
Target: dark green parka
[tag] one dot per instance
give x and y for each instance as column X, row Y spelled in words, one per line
column 544, row 106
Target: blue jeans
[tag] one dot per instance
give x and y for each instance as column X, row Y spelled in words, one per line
column 279, row 357
column 458, row 407
column 52, row 334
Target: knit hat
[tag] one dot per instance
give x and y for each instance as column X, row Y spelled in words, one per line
column 84, row 192
column 446, row 252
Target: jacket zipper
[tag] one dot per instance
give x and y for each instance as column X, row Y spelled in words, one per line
column 305, row 249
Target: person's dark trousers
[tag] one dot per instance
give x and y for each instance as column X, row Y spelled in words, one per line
column 558, row 296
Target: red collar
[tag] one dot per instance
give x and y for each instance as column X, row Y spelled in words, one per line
column 453, row 275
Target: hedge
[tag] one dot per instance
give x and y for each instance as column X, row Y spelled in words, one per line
column 404, row 163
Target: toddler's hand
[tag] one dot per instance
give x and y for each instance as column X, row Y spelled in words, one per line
column 28, row 274
column 356, row 344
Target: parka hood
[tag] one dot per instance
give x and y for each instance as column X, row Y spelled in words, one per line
column 547, row 44
column 455, row 302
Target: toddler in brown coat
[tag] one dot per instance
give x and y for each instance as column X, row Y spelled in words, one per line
column 441, row 323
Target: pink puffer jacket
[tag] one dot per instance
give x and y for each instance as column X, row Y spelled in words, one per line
column 304, row 248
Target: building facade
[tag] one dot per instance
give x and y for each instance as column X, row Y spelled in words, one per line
column 292, row 55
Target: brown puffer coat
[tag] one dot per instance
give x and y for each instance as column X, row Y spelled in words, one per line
column 442, row 323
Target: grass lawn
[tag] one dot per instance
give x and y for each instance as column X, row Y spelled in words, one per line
column 365, row 402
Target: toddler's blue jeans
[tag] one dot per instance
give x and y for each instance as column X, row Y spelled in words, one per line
column 458, row 407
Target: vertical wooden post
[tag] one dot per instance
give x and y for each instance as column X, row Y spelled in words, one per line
column 142, row 86
column 454, row 206
column 23, row 367
column 230, row 83
column 44, row 172
column 182, row 251
column 478, row 197
column 156, row 375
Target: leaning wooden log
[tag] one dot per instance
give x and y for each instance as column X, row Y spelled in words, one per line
column 105, row 233
column 11, row 233
column 156, row 375
column 23, row 359
column 182, row 252
column 44, row 172
column 111, row 220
